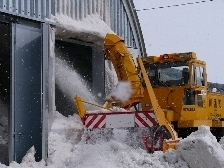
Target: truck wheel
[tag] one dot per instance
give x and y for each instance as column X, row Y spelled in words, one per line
column 154, row 141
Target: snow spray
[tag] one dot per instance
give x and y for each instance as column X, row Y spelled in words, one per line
column 70, row 82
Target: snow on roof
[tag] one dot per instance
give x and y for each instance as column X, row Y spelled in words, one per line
column 91, row 29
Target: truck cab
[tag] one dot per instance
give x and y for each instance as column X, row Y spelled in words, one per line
column 179, row 82
column 177, row 69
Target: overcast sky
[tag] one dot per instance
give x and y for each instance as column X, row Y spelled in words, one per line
column 198, row 28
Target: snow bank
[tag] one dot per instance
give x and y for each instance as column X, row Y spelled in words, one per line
column 92, row 28
column 3, row 124
column 221, row 142
column 201, row 149
column 115, row 153
column 29, row 160
column 112, row 109
column 64, row 133
column 68, row 148
column 3, row 130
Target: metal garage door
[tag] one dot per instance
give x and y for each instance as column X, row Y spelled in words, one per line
column 29, row 100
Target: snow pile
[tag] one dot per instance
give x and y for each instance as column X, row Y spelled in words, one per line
column 122, row 92
column 112, row 109
column 173, row 159
column 115, row 154
column 4, row 138
column 201, row 149
column 3, row 124
column 64, row 133
column 221, row 142
column 98, row 111
column 29, row 161
column 92, row 28
column 68, row 148
column 118, row 109
column 3, row 130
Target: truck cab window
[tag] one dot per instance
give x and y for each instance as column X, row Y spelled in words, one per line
column 199, row 76
column 189, row 97
column 193, row 75
column 153, row 76
column 185, row 75
column 168, row 73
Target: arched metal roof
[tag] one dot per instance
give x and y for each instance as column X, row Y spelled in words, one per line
column 118, row 14
column 136, row 25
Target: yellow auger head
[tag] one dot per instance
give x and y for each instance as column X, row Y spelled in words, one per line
column 170, row 144
column 80, row 107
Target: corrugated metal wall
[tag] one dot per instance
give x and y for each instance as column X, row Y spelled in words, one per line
column 120, row 23
column 39, row 9
column 113, row 12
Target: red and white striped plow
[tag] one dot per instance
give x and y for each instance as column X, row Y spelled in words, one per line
column 120, row 120
column 95, row 121
column 145, row 119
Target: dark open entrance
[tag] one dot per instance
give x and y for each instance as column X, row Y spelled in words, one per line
column 4, row 91
column 79, row 58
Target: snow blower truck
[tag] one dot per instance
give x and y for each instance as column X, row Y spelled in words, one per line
column 170, row 97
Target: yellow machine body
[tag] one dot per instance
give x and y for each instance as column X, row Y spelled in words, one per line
column 206, row 107
column 173, row 85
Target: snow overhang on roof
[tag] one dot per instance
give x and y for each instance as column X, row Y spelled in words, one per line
column 90, row 29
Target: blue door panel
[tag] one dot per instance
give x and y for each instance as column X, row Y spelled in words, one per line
column 27, row 87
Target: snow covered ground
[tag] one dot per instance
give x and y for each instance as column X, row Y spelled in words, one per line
column 67, row 148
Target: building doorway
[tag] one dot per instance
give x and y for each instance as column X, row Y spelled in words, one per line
column 77, row 61
column 4, row 91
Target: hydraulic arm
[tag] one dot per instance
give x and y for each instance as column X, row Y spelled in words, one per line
column 116, row 51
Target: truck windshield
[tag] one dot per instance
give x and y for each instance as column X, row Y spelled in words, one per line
column 168, row 73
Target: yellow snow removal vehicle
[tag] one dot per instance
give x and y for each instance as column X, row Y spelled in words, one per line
column 169, row 95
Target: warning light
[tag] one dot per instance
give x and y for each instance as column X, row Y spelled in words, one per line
column 166, row 56
column 171, row 57
column 186, row 55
